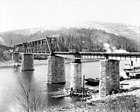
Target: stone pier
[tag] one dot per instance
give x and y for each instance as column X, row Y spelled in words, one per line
column 56, row 70
column 16, row 57
column 109, row 77
column 76, row 74
column 27, row 62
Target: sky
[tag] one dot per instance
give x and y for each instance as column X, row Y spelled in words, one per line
column 21, row 14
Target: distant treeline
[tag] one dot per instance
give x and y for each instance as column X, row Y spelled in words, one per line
column 3, row 57
column 93, row 41
column 76, row 38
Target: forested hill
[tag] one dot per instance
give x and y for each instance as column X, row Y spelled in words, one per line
column 77, row 38
column 3, row 57
column 3, row 47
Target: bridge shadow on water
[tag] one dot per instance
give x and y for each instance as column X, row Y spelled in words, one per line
column 41, row 91
column 54, row 90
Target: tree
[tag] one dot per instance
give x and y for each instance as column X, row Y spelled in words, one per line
column 30, row 98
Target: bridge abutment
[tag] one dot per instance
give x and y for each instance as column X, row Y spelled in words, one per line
column 56, row 70
column 27, row 62
column 76, row 74
column 109, row 77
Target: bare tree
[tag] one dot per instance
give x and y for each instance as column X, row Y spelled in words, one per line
column 30, row 98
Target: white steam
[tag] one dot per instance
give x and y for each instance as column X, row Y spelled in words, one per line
column 112, row 49
column 1, row 40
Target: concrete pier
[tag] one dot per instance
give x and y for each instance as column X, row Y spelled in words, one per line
column 109, row 77
column 76, row 74
column 56, row 70
column 27, row 62
column 16, row 57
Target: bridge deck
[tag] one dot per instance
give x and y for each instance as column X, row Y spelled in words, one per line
column 97, row 55
column 100, row 55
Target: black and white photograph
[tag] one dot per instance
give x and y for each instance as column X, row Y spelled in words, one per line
column 69, row 55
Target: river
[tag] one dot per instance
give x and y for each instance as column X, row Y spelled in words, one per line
column 11, row 81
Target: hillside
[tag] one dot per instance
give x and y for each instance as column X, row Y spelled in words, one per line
column 92, row 39
column 132, row 32
column 92, row 36
column 3, row 57
column 3, row 47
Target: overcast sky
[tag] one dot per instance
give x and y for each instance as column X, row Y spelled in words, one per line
column 18, row 14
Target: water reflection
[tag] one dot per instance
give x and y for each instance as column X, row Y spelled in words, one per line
column 54, row 90
column 7, row 87
column 35, row 81
column 27, row 76
column 28, row 95
column 27, row 83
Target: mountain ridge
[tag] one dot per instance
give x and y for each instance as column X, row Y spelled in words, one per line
column 106, row 26
column 100, row 32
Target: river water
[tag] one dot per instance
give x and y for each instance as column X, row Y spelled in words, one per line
column 12, row 80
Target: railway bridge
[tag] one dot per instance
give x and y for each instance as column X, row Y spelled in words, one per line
column 109, row 69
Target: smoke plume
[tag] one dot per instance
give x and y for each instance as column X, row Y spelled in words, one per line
column 113, row 49
column 1, row 40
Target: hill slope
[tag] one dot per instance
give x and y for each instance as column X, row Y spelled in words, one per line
column 132, row 32
column 94, row 37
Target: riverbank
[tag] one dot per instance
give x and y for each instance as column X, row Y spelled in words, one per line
column 93, row 106
column 123, row 103
column 11, row 63
column 7, row 64
column 128, row 101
